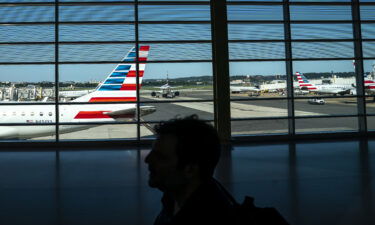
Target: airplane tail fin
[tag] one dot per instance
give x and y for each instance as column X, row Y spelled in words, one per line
column 304, row 83
column 121, row 83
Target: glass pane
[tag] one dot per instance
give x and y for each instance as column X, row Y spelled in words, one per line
column 30, row 33
column 271, row 50
column 31, row 132
column 166, row 111
column 257, row 79
column 93, row 52
column 173, row 32
column 320, row 78
column 317, row 106
column 369, row 78
column 321, row 12
column 258, row 108
column 255, row 31
column 371, row 123
column 173, row 52
column 254, row 12
column 252, row 127
column 174, row 13
column 16, row 86
column 367, row 12
column 98, row 32
column 27, row 14
column 91, row 132
column 368, row 30
column 96, row 13
column 322, row 31
column 178, row 81
column 368, row 49
column 322, row 50
column 27, row 53
column 326, row 124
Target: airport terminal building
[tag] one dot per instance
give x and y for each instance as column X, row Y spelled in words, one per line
column 289, row 85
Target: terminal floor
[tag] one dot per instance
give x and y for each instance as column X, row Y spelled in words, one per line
column 310, row 183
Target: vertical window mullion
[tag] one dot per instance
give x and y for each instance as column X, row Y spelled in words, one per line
column 220, row 62
column 359, row 71
column 138, row 112
column 57, row 70
column 289, row 67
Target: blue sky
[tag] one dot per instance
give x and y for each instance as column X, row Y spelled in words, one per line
column 170, row 32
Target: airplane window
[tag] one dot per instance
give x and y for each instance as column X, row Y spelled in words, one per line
column 41, row 114
column 50, row 113
column 23, row 114
column 14, row 114
column 32, row 114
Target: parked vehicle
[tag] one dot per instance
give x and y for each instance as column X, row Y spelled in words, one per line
column 317, row 101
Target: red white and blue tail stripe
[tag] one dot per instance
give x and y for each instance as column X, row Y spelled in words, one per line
column 121, row 84
column 304, row 83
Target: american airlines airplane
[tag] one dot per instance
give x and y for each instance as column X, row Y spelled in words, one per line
column 119, row 86
column 334, row 89
column 369, row 86
column 241, row 89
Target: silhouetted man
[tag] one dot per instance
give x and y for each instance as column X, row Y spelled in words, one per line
column 181, row 164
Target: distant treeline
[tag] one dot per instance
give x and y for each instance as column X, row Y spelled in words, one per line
column 201, row 80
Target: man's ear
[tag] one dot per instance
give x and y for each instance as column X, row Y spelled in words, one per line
column 191, row 170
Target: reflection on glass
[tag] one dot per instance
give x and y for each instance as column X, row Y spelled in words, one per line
column 251, row 127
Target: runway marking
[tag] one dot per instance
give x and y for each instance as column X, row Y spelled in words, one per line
column 241, row 110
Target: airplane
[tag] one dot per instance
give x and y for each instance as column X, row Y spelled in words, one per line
column 74, row 94
column 165, row 91
column 241, row 89
column 369, row 86
column 334, row 89
column 119, row 86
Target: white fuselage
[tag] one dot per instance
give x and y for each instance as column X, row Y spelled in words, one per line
column 332, row 89
column 46, row 115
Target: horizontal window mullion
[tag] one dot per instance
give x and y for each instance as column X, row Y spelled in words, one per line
column 296, row 40
column 101, row 62
column 326, row 116
column 175, row 101
column 66, row 123
column 107, row 42
column 154, row 122
column 258, row 99
column 260, row 118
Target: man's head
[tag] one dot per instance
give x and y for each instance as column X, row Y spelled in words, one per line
column 185, row 149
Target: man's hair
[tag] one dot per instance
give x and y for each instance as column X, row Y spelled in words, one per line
column 197, row 143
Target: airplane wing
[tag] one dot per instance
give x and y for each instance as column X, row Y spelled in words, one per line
column 130, row 113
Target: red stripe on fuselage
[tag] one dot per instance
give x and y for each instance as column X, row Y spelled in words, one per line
column 113, row 99
column 92, row 115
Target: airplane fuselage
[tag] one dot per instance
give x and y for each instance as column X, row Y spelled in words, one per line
column 45, row 117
